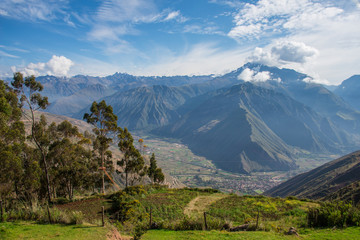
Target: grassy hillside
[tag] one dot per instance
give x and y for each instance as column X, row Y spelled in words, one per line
column 338, row 179
column 179, row 214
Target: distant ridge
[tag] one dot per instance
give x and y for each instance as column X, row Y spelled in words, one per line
column 262, row 119
column 338, row 179
column 349, row 90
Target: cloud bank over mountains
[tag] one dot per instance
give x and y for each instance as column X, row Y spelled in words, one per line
column 283, row 53
column 249, row 75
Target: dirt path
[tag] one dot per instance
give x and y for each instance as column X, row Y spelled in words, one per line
column 198, row 205
column 114, row 234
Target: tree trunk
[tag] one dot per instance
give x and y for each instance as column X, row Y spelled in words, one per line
column 103, row 173
column 47, row 176
column 126, row 178
column 42, row 154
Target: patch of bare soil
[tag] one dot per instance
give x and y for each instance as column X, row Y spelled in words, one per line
column 198, row 205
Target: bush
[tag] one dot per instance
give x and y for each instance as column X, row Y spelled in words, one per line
column 187, row 224
column 39, row 213
column 135, row 190
column 139, row 230
column 292, row 198
column 331, row 214
column 76, row 217
column 204, row 190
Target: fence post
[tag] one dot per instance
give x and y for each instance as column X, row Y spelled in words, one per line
column 1, row 207
column 150, row 223
column 102, row 215
column 206, row 227
column 49, row 214
column 257, row 220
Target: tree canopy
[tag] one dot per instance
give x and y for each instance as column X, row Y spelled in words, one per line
column 105, row 123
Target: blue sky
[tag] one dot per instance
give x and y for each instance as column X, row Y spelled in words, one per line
column 179, row 37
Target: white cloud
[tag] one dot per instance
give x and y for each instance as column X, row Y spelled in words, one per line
column 249, row 75
column 32, row 10
column 5, row 54
column 282, row 53
column 127, row 11
column 172, row 15
column 273, row 17
column 259, row 55
column 3, row 12
column 246, row 75
column 293, row 52
column 246, row 31
column 109, row 33
column 357, row 3
column 57, row 66
column 197, row 29
column 117, row 18
column 204, row 58
column 262, row 76
column 230, row 3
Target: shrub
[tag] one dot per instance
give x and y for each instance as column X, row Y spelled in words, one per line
column 135, row 190
column 76, row 217
column 331, row 214
column 291, row 198
column 187, row 224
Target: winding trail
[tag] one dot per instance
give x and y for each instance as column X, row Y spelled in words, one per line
column 198, row 205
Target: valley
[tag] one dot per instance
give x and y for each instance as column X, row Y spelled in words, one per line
column 195, row 171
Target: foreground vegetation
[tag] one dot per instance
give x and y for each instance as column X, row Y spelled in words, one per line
column 46, row 162
column 31, row 230
column 156, row 212
column 351, row 233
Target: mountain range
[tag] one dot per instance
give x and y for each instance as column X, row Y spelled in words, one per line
column 258, row 121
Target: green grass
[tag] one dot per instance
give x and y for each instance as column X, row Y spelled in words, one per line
column 91, row 208
column 352, row 233
column 211, row 235
column 242, row 209
column 31, row 230
column 169, row 204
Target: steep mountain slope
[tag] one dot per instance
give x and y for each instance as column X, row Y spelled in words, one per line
column 153, row 106
column 337, row 178
column 349, row 193
column 349, row 90
column 72, row 104
column 69, row 95
column 148, row 107
column 248, row 128
column 55, row 87
column 301, row 88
